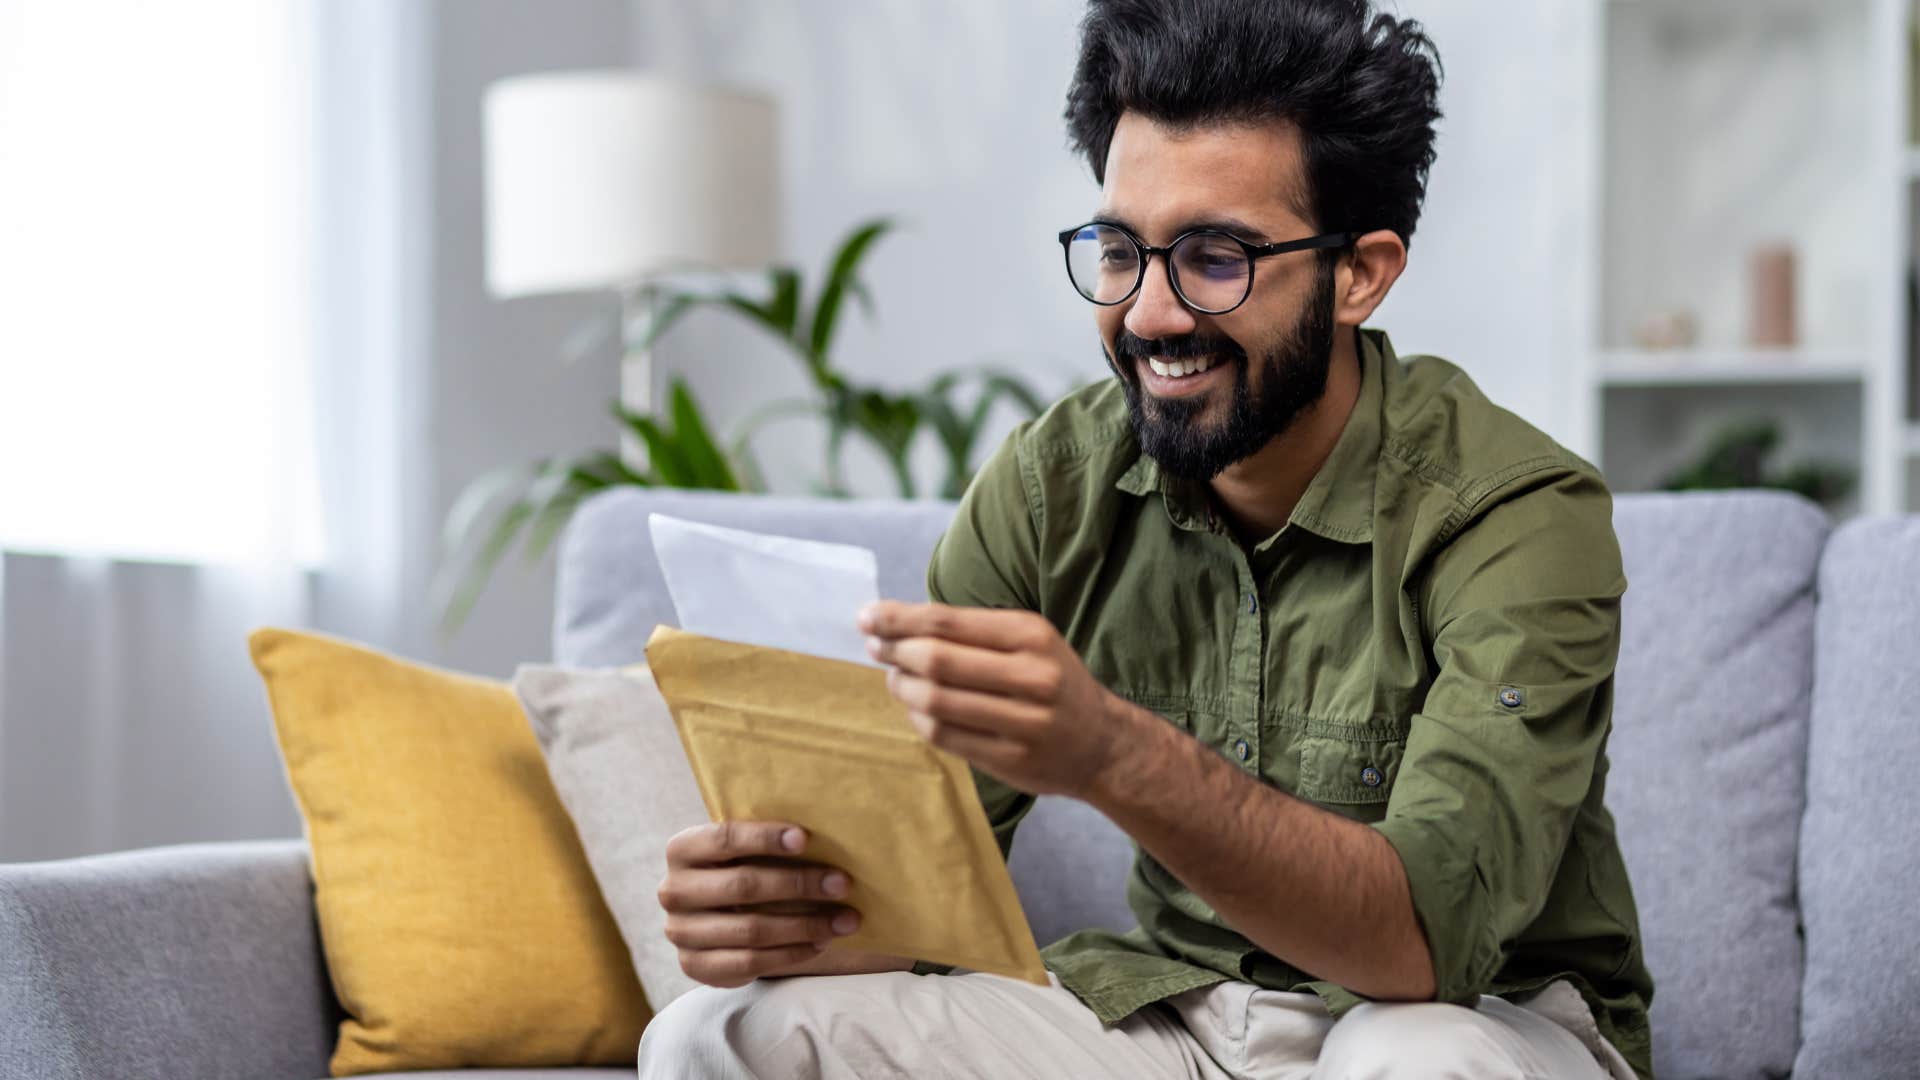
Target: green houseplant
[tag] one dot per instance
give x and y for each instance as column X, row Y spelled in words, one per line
column 1736, row 456
column 889, row 421
column 530, row 504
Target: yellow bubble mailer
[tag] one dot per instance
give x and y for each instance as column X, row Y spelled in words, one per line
column 783, row 736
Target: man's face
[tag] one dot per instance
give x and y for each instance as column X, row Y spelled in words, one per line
column 1269, row 357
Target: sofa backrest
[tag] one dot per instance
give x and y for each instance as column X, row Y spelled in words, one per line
column 1708, row 757
column 1709, row 766
column 1859, row 862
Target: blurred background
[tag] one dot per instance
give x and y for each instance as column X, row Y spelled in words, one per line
column 326, row 313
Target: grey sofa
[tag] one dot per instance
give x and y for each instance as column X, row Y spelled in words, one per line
column 1768, row 709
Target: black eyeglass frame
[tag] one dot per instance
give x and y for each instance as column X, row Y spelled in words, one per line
column 1254, row 253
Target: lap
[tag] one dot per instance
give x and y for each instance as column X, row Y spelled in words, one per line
column 896, row 1024
column 1249, row 1033
column 975, row 1025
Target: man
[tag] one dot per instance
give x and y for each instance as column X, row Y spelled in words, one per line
column 1329, row 635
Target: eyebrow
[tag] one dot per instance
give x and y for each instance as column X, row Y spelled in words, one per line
column 1217, row 222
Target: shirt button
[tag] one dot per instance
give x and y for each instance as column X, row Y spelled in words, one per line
column 1242, row 750
column 1370, row 776
column 1253, row 603
column 1510, row 697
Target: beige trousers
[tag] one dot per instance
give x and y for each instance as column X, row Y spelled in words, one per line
column 871, row 1027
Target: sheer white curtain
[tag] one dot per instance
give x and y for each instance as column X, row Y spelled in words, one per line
column 211, row 346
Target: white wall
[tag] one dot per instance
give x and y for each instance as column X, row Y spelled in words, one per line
column 949, row 116
column 500, row 391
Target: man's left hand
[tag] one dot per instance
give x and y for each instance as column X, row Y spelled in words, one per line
column 1000, row 689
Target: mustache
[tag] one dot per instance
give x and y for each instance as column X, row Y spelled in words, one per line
column 1131, row 348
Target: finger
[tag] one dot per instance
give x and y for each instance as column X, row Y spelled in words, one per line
column 993, row 753
column 992, row 714
column 968, row 667
column 738, row 967
column 748, row 930
column 724, row 841
column 691, row 889
column 987, row 628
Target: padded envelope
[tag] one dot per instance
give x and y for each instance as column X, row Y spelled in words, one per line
column 783, row 736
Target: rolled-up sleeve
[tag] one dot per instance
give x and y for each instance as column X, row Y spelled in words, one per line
column 1521, row 611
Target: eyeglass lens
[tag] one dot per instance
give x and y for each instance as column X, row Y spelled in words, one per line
column 1210, row 270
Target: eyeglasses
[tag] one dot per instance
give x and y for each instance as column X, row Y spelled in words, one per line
column 1211, row 271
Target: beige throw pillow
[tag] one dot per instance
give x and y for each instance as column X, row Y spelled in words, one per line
column 621, row 772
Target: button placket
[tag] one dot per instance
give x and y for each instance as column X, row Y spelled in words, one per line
column 1248, row 669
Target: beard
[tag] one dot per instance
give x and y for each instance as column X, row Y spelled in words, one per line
column 1293, row 377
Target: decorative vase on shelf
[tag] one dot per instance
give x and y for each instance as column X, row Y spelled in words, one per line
column 1771, row 273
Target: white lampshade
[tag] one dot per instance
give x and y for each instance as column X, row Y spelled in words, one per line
column 599, row 179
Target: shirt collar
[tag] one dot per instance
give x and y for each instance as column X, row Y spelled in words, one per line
column 1338, row 502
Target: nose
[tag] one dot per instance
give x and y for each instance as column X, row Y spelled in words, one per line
column 1156, row 310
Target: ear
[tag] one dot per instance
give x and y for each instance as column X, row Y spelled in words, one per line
column 1363, row 279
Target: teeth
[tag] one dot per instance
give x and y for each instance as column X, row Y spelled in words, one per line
column 1179, row 368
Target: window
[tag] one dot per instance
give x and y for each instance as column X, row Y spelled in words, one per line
column 154, row 346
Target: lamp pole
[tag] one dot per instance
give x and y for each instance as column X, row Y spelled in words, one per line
column 639, row 306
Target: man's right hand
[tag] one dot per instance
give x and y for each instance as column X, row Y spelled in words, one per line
column 741, row 903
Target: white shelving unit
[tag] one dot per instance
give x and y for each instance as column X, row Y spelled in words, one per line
column 1729, row 367
column 1719, row 126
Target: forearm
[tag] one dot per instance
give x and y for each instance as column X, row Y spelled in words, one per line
column 1323, row 893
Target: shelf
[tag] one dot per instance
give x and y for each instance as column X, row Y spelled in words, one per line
column 1728, row 367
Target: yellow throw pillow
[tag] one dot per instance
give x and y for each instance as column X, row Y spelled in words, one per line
column 460, row 921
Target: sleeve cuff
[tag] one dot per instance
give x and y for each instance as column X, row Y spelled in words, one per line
column 1450, row 901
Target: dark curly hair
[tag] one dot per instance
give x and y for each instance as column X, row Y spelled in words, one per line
column 1361, row 87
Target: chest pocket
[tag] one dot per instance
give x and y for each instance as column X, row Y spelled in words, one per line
column 1351, row 775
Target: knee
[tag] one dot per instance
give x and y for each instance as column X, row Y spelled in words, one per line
column 765, row 1027
column 692, row 1028
column 1416, row 1041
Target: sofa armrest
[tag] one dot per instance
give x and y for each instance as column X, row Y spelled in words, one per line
column 197, row 960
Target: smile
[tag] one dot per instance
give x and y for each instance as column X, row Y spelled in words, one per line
column 1180, row 368
column 1182, row 378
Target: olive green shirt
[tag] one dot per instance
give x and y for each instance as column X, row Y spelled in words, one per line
column 1426, row 646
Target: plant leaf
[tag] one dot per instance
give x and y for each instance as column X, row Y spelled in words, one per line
column 705, row 463
column 547, row 522
column 761, row 315
column 668, row 465
column 860, row 292
column 783, row 309
column 474, row 580
column 840, row 276
column 554, row 486
column 671, row 308
column 474, row 499
column 605, row 469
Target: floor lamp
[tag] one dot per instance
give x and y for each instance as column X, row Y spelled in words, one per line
column 614, row 180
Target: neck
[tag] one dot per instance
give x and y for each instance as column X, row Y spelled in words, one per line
column 1258, row 493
